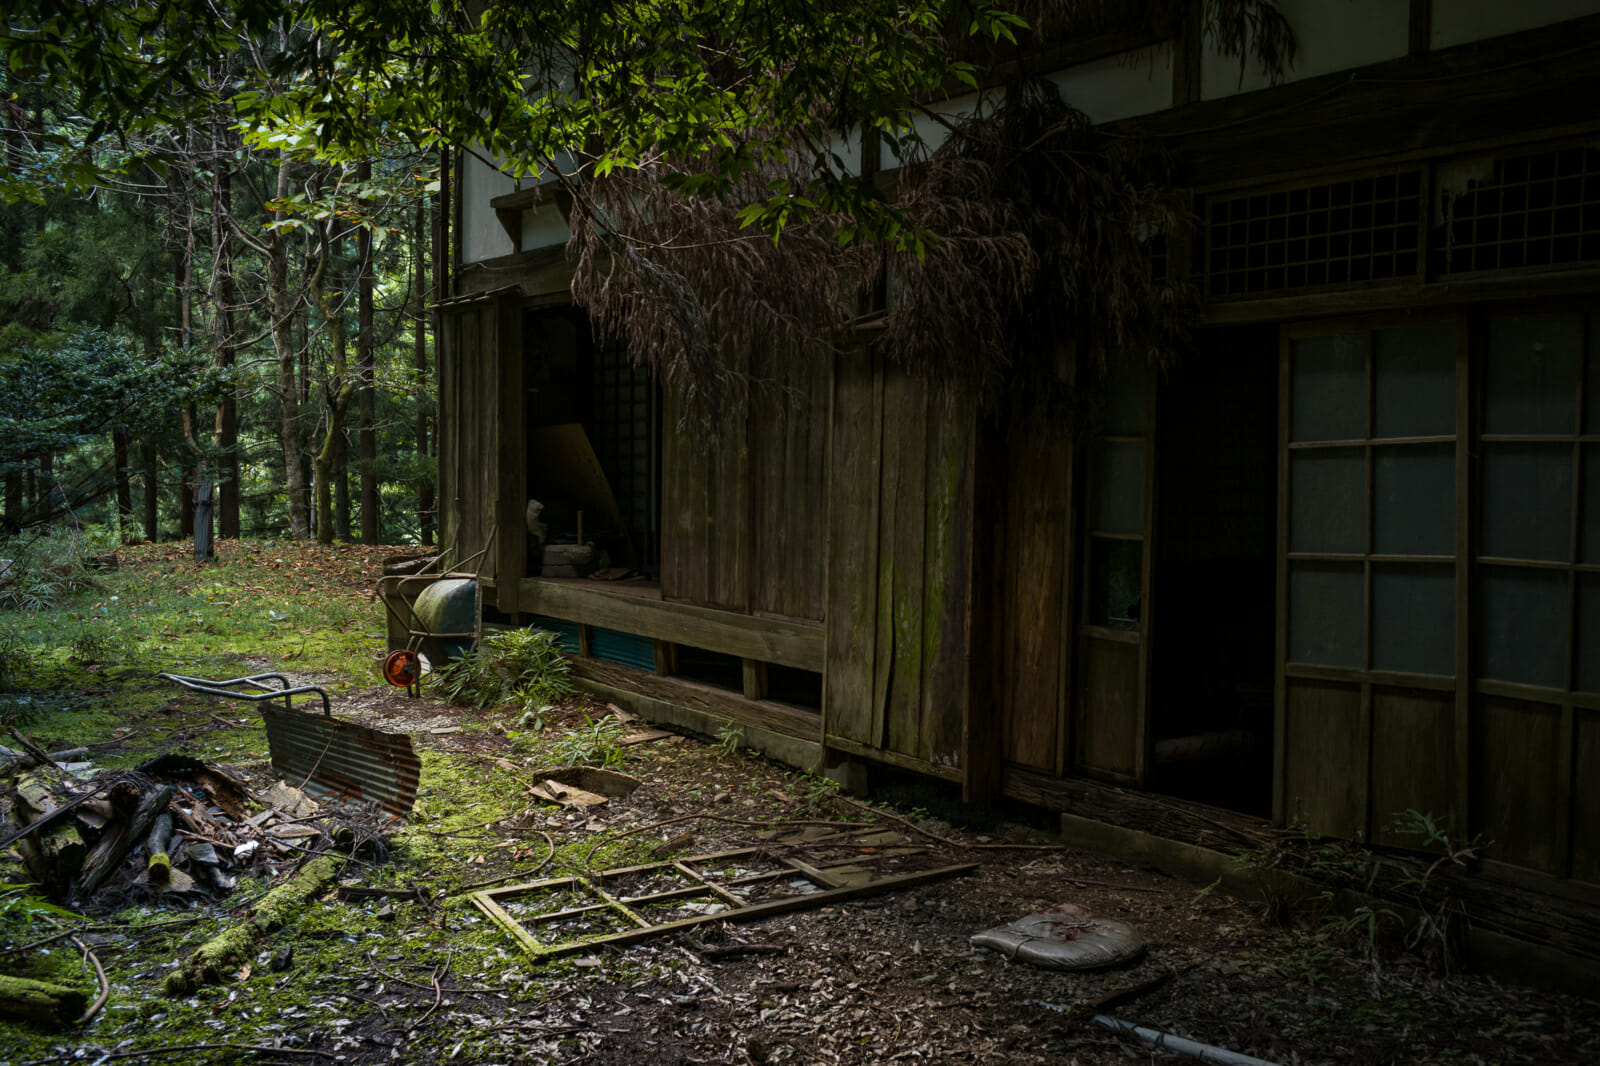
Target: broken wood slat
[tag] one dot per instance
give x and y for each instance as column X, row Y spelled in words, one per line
column 485, row 902
column 133, row 831
column 722, row 952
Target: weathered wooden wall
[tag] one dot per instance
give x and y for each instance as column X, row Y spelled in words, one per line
column 1032, row 612
column 481, row 440
column 899, row 568
column 744, row 510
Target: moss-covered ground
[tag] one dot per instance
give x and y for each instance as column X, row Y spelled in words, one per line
column 423, row 976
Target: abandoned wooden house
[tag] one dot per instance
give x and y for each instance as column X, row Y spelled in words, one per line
column 1341, row 560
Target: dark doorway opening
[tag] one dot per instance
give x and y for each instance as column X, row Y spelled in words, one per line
column 594, row 446
column 1214, row 573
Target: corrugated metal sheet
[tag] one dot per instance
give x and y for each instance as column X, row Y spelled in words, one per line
column 343, row 761
column 566, row 632
column 625, row 649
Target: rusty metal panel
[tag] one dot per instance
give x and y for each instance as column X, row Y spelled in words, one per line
column 343, row 761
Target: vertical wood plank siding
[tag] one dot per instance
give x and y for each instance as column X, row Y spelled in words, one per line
column 745, row 510
column 1038, row 502
column 899, row 533
column 470, row 396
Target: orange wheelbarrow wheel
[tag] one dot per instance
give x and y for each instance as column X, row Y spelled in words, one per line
column 402, row 668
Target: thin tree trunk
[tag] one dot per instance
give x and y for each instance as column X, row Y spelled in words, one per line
column 183, row 281
column 425, row 477
column 13, row 501
column 227, row 429
column 119, row 458
column 366, row 371
column 151, row 460
column 283, row 313
column 341, row 488
column 339, row 390
column 45, row 494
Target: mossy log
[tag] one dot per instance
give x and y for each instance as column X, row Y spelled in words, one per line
column 40, row 1002
column 217, row 955
column 160, row 864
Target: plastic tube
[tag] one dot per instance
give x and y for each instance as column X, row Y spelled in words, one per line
column 1168, row 1042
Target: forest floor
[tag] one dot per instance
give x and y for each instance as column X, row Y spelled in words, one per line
column 426, row 978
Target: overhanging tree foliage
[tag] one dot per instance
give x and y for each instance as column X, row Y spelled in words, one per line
column 704, row 148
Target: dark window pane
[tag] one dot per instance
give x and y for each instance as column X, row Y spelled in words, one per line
column 1533, row 374
column 1588, row 633
column 1416, row 380
column 1414, row 618
column 1127, row 411
column 1523, row 626
column 1591, row 386
column 1116, row 570
column 1589, row 535
column 1328, row 500
column 1527, row 501
column 1415, row 499
column 1329, row 387
column 1118, row 488
column 1325, row 609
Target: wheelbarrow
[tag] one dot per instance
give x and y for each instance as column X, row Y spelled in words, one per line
column 331, row 759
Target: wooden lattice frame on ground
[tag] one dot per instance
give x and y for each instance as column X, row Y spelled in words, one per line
column 594, row 903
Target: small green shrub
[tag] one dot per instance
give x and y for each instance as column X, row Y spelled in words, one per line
column 19, row 907
column 38, row 572
column 596, row 743
column 730, row 738
column 16, row 656
column 522, row 667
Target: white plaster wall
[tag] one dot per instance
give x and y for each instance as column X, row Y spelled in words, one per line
column 848, row 149
column 481, row 234
column 1460, row 21
column 1134, row 83
column 544, row 226
column 933, row 132
column 1330, row 35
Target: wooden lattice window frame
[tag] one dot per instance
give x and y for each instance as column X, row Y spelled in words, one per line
column 830, row 884
column 1311, row 235
column 1527, row 210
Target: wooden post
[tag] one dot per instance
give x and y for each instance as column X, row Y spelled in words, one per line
column 755, row 679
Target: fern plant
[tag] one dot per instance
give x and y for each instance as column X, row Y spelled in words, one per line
column 521, row 667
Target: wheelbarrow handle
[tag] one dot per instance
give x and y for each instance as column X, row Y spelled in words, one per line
column 228, row 689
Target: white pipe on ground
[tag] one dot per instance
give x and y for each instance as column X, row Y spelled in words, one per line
column 1168, row 1042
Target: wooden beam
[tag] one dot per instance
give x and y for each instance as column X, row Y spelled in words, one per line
column 1406, row 296
column 716, row 702
column 786, row 641
column 893, row 758
column 1511, row 86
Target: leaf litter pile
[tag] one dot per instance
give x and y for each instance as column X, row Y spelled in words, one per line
column 366, row 946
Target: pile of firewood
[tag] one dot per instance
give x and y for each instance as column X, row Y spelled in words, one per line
column 173, row 825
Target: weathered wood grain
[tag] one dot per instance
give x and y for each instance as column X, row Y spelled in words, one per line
column 855, row 455
column 947, row 580
column 1037, row 510
column 1515, row 786
column 510, row 563
column 786, row 641
column 901, row 564
column 1324, row 757
column 1413, row 759
column 1106, row 709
